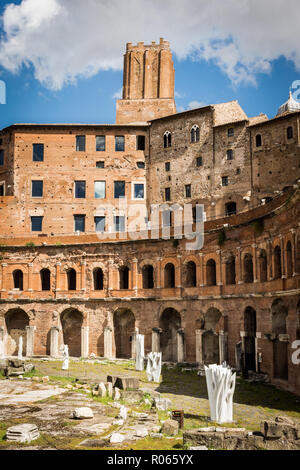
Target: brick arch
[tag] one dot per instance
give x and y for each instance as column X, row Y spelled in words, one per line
column 71, row 320
column 16, row 321
column 124, row 324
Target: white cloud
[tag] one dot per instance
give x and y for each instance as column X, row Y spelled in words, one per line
column 118, row 95
column 196, row 104
column 68, row 39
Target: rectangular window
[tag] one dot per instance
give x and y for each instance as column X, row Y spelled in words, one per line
column 230, row 154
column 119, row 222
column 140, row 142
column 37, row 188
column 120, row 143
column 36, row 224
column 79, row 189
column 188, row 190
column 167, row 194
column 224, row 180
column 138, row 191
column 119, row 189
column 38, row 152
column 100, row 224
column 231, row 132
column 79, row 223
column 1, row 157
column 199, row 161
column 167, row 166
column 99, row 164
column 80, row 143
column 100, row 143
column 2, row 189
column 100, row 190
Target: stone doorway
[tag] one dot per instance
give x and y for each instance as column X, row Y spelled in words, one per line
column 170, row 324
column 16, row 321
column 124, row 329
column 71, row 322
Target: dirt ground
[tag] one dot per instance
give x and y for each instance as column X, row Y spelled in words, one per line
column 49, row 406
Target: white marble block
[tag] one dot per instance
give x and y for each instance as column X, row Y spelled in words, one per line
column 140, row 353
column 20, row 348
column 154, row 366
column 65, row 365
column 220, row 383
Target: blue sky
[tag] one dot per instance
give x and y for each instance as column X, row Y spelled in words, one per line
column 202, row 77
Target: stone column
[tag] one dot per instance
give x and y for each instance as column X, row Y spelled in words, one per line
column 240, row 267
column 133, row 343
column 108, row 354
column 156, row 339
column 30, row 340
column 202, row 282
column 2, row 336
column 223, row 346
column 85, row 341
column 159, row 274
column 199, row 355
column 110, row 281
column 178, row 273
column 57, row 280
column 270, row 261
column 180, row 345
column 242, row 335
column 283, row 267
column 3, row 277
column 255, row 264
column 220, row 278
column 134, row 276
column 83, row 269
column 54, row 342
column 29, row 282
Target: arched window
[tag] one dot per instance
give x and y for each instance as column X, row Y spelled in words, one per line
column 98, row 279
column 170, row 276
column 229, row 154
column 124, row 278
column 18, row 279
column 277, row 263
column 195, row 134
column 263, row 266
column 148, row 278
column 258, row 140
column 290, row 132
column 167, row 139
column 230, row 208
column 248, row 268
column 45, row 279
column 211, row 273
column 289, row 262
column 71, row 275
column 191, row 274
column 230, row 271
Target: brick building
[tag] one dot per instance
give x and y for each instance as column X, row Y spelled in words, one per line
column 72, row 273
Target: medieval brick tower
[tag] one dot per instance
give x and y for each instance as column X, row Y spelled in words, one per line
column 148, row 83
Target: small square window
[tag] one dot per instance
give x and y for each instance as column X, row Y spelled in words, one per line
column 199, row 162
column 224, row 180
column 231, row 132
column 37, row 188
column 79, row 223
column 139, row 191
column 1, row 157
column 100, row 189
column 99, row 164
column 120, row 143
column 167, row 166
column 140, row 142
column 100, row 143
column 80, row 143
column 119, row 222
column 119, row 189
column 188, row 190
column 100, row 224
column 230, row 154
column 80, row 189
column 167, row 194
column 36, row 224
column 38, row 152
column 140, row 165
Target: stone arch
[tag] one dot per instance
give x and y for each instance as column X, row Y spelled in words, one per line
column 124, row 277
column 98, row 279
column 249, row 339
column 211, row 273
column 248, row 268
column 279, row 314
column 16, row 321
column 148, row 276
column 18, row 278
column 45, row 277
column 190, row 274
column 170, row 324
column 230, row 270
column 277, row 262
column 169, row 276
column 71, row 279
column 71, row 322
column 124, row 329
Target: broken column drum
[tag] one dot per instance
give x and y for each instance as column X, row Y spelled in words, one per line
column 154, row 366
column 139, row 364
column 220, row 386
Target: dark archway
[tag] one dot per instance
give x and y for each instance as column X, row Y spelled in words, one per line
column 169, row 272
column 190, row 271
column 98, row 279
column 18, row 279
column 45, row 279
column 248, row 268
column 230, row 271
column 71, row 277
column 280, row 348
column 263, row 266
column 210, row 339
column 249, row 340
column 124, row 278
column 16, row 321
column 277, row 263
column 148, row 277
column 124, row 328
column 71, row 322
column 211, row 273
column 170, row 323
column 289, row 260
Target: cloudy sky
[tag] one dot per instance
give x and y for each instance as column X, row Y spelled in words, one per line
column 62, row 60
